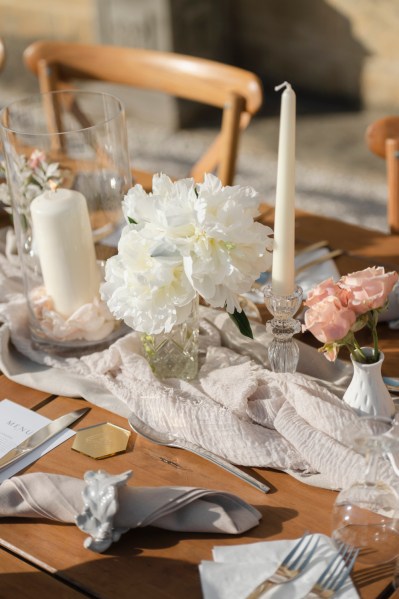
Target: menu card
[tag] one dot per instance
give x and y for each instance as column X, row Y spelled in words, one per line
column 17, row 424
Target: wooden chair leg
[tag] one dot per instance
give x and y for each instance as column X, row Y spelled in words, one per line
column 47, row 77
column 230, row 134
column 392, row 158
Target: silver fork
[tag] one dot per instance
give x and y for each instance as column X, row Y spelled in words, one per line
column 292, row 565
column 335, row 574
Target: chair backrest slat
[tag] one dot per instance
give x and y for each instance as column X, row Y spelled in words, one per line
column 237, row 92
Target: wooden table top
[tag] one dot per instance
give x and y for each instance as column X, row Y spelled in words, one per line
column 152, row 563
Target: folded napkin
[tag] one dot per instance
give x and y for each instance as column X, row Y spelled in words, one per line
column 102, row 506
column 238, row 569
column 237, row 408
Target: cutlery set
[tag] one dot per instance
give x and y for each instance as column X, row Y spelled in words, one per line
column 292, row 566
column 311, row 262
column 330, row 581
column 335, row 573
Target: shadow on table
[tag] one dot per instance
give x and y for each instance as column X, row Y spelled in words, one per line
column 367, row 575
column 125, row 571
column 138, row 539
column 121, row 577
column 151, row 577
column 132, row 575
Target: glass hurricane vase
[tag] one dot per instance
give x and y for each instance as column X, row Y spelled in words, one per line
column 175, row 354
column 67, row 172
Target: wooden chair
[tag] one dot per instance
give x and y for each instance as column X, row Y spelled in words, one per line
column 382, row 138
column 2, row 54
column 236, row 91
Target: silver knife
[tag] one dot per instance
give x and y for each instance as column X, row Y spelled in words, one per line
column 39, row 437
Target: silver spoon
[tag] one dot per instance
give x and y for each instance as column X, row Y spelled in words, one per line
column 170, row 440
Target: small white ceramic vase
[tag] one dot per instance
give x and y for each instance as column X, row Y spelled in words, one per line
column 367, row 393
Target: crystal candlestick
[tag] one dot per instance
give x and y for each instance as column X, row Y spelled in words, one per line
column 283, row 350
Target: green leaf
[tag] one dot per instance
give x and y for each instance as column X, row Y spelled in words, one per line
column 242, row 322
column 131, row 221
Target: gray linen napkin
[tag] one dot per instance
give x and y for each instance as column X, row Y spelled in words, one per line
column 237, row 408
column 57, row 497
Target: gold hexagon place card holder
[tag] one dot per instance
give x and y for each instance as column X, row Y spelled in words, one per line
column 101, row 440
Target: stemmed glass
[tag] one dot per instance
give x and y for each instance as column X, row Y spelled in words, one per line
column 366, row 515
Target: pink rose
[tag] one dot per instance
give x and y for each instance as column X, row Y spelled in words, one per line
column 328, row 320
column 366, row 289
column 318, row 293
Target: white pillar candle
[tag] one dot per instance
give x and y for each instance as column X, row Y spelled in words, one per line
column 63, row 238
column 283, row 267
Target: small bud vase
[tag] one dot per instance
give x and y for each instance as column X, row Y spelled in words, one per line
column 367, row 393
column 175, row 354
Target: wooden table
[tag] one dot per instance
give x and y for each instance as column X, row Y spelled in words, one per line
column 47, row 559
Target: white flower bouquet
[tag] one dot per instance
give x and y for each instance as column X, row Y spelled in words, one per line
column 184, row 239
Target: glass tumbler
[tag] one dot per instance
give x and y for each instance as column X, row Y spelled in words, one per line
column 366, row 514
column 67, row 172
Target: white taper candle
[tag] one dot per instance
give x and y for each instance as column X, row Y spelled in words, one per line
column 283, row 267
column 63, row 238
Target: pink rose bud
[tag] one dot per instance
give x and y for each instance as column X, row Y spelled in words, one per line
column 36, row 158
column 331, row 352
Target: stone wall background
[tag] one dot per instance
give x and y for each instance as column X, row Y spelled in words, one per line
column 341, row 56
column 345, row 50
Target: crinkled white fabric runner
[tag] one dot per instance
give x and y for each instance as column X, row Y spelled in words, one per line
column 236, row 408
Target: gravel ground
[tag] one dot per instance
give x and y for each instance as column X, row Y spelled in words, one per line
column 336, row 175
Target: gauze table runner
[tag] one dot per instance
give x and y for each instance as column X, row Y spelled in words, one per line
column 237, row 408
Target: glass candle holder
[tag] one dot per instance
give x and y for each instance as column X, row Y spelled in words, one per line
column 283, row 351
column 67, row 172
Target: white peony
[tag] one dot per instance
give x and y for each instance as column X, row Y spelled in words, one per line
column 146, row 285
column 230, row 249
column 182, row 239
